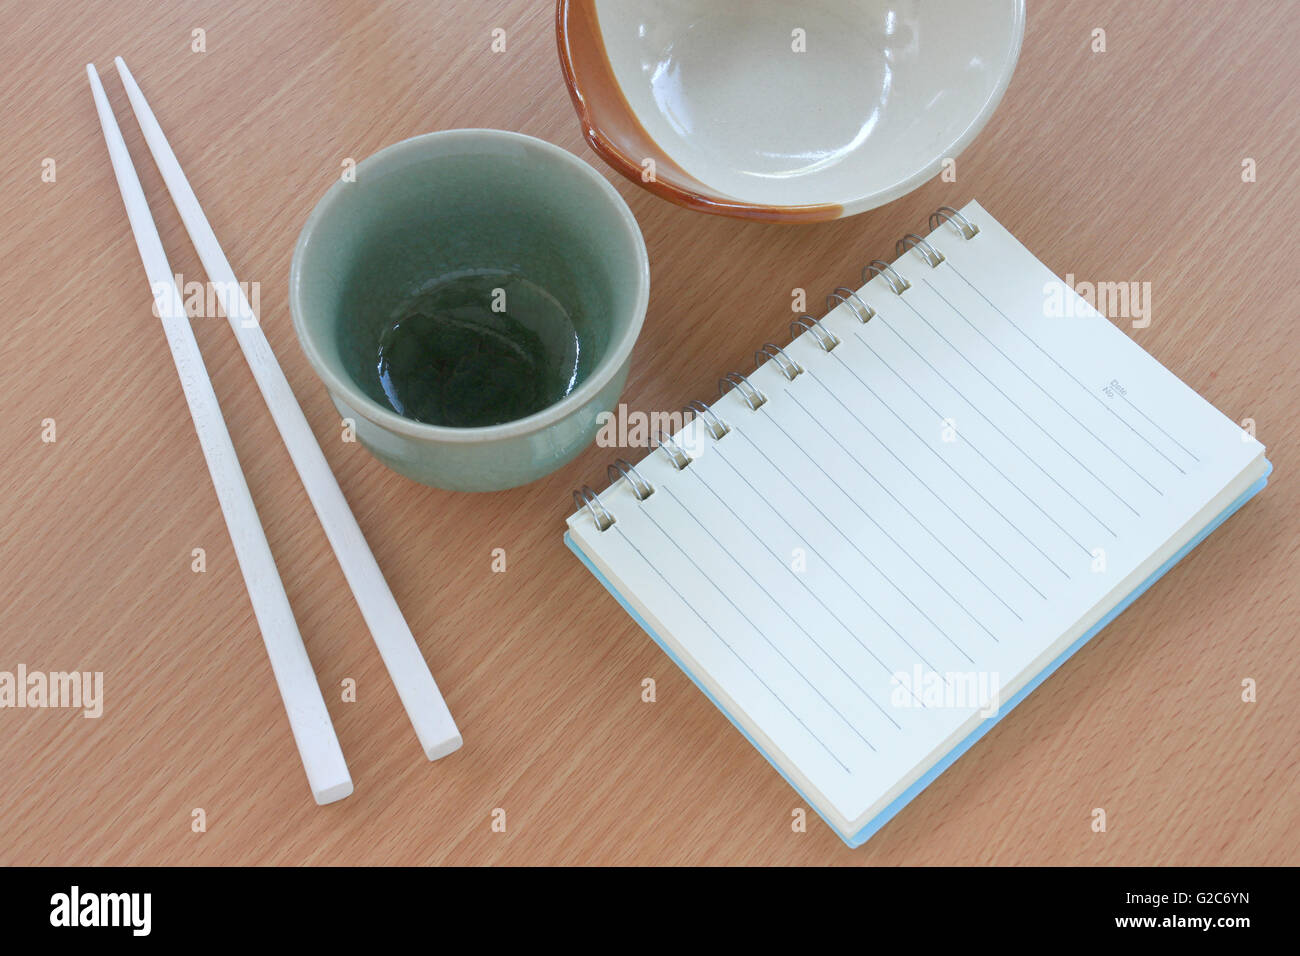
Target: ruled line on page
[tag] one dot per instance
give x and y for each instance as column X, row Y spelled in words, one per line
column 866, row 514
column 923, row 483
column 1085, row 388
column 947, row 464
column 727, row 644
column 811, row 684
column 1038, row 385
column 790, row 617
column 1014, row 404
column 803, row 584
column 801, row 535
column 975, row 448
column 1131, row 404
column 831, row 523
column 867, row 471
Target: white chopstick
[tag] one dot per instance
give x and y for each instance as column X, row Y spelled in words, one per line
column 327, row 772
column 401, row 655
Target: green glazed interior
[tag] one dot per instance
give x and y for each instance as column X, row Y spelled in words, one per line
column 417, row 216
column 464, row 201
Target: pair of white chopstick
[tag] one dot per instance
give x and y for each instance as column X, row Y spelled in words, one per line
column 309, row 719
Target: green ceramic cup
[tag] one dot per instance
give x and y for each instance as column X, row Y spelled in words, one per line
column 443, row 204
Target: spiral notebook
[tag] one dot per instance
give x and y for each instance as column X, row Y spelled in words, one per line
column 873, row 546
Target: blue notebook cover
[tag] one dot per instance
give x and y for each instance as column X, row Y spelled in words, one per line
column 885, row 815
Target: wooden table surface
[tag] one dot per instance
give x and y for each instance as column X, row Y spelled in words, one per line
column 1117, row 166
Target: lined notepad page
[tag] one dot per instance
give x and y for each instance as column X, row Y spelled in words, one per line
column 957, row 485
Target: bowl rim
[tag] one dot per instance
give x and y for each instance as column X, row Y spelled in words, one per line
column 720, row 205
column 616, row 354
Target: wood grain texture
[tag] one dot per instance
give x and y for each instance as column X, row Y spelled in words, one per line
column 1122, row 166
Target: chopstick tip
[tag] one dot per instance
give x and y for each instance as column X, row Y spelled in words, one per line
column 132, row 88
column 96, row 87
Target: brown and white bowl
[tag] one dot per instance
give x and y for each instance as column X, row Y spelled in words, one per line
column 785, row 111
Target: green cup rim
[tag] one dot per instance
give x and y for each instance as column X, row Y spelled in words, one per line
column 615, row 355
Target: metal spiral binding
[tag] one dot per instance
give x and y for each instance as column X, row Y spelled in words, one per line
column 753, row 397
column 586, row 498
column 847, row 296
column 716, row 426
column 789, row 368
column 912, row 241
column 676, row 455
column 622, row 468
column 879, row 267
column 944, row 214
column 826, row 339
